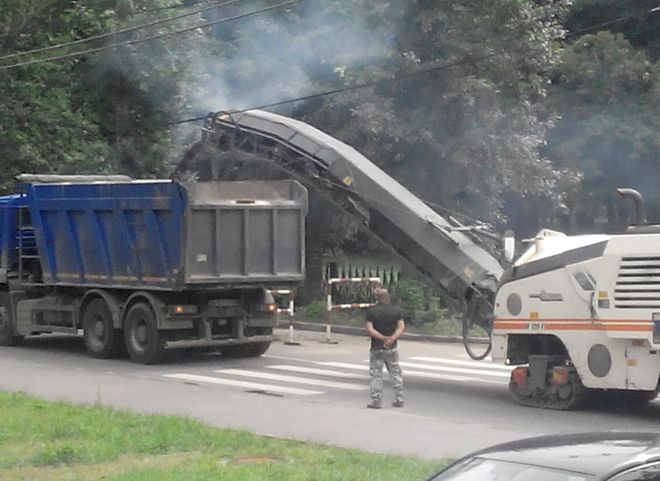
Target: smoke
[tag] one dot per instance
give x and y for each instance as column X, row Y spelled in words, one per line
column 286, row 54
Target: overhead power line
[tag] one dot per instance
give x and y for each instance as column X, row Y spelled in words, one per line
column 390, row 80
column 610, row 22
column 118, row 32
column 147, row 39
column 364, row 85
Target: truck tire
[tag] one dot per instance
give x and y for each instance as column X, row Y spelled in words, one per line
column 7, row 335
column 144, row 342
column 102, row 340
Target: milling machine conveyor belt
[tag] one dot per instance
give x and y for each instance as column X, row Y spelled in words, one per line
column 422, row 236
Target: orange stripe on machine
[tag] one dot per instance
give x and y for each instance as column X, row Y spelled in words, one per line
column 571, row 325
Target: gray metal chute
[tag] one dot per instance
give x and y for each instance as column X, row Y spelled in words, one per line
column 431, row 243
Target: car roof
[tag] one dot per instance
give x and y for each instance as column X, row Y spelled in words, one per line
column 595, row 454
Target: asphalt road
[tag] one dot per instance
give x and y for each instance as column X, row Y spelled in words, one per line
column 314, row 392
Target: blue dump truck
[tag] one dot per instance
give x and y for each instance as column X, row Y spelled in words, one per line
column 145, row 265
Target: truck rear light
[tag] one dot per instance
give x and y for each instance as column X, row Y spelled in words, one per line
column 559, row 376
column 183, row 310
column 519, row 376
column 271, row 307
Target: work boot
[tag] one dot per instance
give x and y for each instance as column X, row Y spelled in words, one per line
column 397, row 404
column 373, row 405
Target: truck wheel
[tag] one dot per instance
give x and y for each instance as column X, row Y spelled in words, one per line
column 144, row 342
column 7, row 335
column 102, row 340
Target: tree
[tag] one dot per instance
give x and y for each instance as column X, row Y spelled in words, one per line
column 107, row 112
column 607, row 99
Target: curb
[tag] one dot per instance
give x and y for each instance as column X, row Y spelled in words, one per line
column 358, row 331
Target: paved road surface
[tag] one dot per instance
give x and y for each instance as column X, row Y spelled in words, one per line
column 315, row 391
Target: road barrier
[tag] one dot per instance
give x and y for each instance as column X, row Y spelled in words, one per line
column 373, row 281
column 290, row 295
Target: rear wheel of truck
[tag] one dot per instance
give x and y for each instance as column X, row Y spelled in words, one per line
column 102, row 340
column 7, row 336
column 144, row 342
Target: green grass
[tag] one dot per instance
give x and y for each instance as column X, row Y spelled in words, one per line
column 52, row 441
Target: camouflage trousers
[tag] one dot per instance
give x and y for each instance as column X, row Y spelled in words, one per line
column 389, row 358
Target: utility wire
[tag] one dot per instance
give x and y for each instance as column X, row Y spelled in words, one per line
column 147, row 39
column 173, row 7
column 610, row 22
column 394, row 79
column 118, row 32
column 364, row 85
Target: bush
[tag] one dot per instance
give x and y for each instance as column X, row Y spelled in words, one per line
column 420, row 306
column 315, row 310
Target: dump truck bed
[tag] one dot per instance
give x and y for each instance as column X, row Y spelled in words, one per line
column 163, row 235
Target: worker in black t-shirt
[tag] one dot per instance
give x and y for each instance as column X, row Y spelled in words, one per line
column 385, row 326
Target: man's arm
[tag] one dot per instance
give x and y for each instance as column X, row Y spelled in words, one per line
column 371, row 330
column 400, row 327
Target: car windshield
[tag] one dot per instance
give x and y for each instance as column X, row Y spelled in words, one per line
column 479, row 469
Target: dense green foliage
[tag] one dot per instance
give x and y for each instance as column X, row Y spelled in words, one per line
column 57, row 441
column 547, row 105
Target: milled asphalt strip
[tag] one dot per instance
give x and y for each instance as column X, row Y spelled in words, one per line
column 244, row 384
column 291, row 379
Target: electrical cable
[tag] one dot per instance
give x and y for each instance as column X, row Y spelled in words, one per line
column 610, row 22
column 172, row 7
column 118, row 32
column 147, row 39
column 374, row 83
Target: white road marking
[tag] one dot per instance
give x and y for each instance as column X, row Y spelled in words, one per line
column 344, row 365
column 413, row 373
column 291, row 379
column 244, row 384
column 454, row 369
column 473, row 364
column 318, row 372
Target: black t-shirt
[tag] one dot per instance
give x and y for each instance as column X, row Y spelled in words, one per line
column 384, row 318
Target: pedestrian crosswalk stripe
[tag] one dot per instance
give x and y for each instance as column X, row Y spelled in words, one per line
column 291, row 379
column 454, row 369
column 345, row 365
column 318, row 372
column 473, row 364
column 248, row 385
column 413, row 373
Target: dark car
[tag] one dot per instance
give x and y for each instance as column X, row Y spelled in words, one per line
column 611, row 456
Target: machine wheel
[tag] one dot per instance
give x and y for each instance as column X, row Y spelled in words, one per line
column 144, row 342
column 474, row 339
column 7, row 336
column 102, row 340
column 569, row 396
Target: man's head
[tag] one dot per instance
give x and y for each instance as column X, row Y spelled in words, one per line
column 382, row 296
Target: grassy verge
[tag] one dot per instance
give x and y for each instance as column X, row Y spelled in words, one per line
column 49, row 441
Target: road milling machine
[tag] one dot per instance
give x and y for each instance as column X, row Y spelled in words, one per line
column 577, row 315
